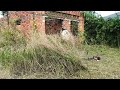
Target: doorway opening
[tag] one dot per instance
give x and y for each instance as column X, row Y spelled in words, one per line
column 53, row 25
column 74, row 28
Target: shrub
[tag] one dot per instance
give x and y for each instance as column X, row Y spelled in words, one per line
column 10, row 37
column 100, row 31
column 44, row 54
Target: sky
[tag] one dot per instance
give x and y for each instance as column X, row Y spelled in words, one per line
column 103, row 13
column 106, row 13
column 0, row 14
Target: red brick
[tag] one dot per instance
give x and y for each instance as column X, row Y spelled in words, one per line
column 27, row 21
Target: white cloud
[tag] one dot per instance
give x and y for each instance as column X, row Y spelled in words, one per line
column 106, row 13
column 1, row 14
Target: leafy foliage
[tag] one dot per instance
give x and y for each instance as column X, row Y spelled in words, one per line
column 101, row 31
column 10, row 37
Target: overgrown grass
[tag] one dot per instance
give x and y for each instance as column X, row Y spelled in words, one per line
column 49, row 56
column 43, row 54
column 107, row 67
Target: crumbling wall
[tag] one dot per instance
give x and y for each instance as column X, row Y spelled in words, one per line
column 32, row 20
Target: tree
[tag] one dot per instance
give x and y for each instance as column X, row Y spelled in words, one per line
column 101, row 31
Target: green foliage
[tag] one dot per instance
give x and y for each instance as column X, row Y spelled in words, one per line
column 74, row 28
column 50, row 56
column 40, row 59
column 100, row 31
column 11, row 37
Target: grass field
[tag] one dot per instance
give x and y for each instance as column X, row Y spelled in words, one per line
column 50, row 57
column 106, row 68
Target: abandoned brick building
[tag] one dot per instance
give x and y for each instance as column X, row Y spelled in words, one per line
column 47, row 21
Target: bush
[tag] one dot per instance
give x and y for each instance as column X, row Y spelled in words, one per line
column 44, row 54
column 10, row 37
column 100, row 31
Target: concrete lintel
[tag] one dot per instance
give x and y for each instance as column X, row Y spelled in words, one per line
column 44, row 16
column 60, row 18
column 75, row 20
column 67, row 19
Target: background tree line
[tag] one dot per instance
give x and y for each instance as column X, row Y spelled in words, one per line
column 101, row 31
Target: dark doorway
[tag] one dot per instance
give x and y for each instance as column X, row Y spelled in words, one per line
column 74, row 28
column 53, row 25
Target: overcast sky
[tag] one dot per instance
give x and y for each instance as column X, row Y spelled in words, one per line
column 103, row 13
column 0, row 14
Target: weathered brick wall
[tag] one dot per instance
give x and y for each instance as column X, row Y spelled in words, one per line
column 40, row 23
column 81, row 24
column 27, row 21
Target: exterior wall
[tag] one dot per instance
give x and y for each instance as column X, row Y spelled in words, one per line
column 81, row 24
column 40, row 23
column 27, row 21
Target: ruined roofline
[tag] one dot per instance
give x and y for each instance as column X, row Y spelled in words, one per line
column 77, row 13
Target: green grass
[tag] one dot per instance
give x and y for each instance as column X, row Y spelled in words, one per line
column 108, row 66
column 42, row 54
column 48, row 56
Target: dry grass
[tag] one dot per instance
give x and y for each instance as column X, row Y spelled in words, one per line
column 44, row 54
column 107, row 67
column 50, row 57
column 4, row 73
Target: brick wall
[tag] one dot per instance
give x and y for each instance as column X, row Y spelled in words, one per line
column 81, row 24
column 27, row 21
